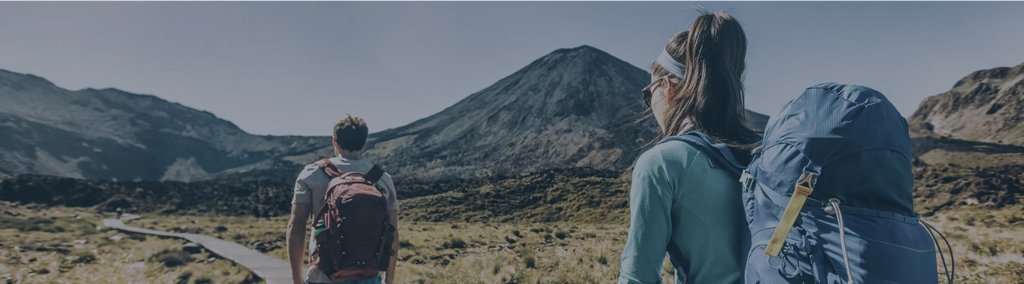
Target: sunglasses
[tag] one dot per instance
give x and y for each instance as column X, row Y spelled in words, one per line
column 649, row 90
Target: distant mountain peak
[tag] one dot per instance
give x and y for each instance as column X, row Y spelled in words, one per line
column 583, row 56
column 583, row 49
column 574, row 107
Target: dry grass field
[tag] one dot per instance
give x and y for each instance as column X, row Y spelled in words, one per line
column 544, row 228
column 459, row 252
column 988, row 246
column 65, row 245
column 53, row 246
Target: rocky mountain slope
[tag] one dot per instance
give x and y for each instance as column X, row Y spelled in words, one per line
column 571, row 108
column 112, row 134
column 986, row 106
column 576, row 107
column 978, row 123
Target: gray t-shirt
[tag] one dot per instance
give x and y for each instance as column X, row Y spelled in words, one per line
column 311, row 187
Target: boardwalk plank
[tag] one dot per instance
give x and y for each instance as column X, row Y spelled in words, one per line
column 272, row 270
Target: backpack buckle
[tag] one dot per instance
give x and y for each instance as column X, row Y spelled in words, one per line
column 747, row 180
column 807, row 181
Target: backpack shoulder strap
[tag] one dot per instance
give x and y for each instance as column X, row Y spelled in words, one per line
column 328, row 167
column 374, row 174
column 720, row 153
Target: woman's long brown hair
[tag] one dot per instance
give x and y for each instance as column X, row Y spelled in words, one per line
column 710, row 96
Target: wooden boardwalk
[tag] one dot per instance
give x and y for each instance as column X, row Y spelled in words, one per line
column 272, row 270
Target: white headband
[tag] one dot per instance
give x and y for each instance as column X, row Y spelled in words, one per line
column 670, row 64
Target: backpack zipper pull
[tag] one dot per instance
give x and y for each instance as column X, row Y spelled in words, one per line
column 319, row 227
column 803, row 188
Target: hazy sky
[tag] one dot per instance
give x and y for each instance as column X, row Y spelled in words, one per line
column 295, row 68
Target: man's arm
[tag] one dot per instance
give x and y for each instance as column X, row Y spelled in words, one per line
column 296, row 238
column 390, row 276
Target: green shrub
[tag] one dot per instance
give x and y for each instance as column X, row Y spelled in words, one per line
column 203, row 280
column 529, row 258
column 137, row 237
column 516, row 233
column 404, row 243
column 561, row 235
column 457, row 243
column 172, row 258
column 40, row 220
column 84, row 257
column 184, row 277
column 221, row 229
column 87, row 230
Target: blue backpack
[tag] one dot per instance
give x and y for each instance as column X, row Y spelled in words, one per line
column 828, row 195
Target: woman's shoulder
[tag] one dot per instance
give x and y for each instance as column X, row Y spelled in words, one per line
column 670, row 154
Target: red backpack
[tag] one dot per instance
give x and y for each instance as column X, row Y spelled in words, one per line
column 353, row 231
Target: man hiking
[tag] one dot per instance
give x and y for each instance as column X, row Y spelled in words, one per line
column 355, row 215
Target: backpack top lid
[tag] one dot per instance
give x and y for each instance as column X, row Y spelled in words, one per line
column 852, row 136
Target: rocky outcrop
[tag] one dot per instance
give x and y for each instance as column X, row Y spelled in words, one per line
column 986, row 106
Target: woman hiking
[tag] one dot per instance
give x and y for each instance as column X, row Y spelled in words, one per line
column 681, row 202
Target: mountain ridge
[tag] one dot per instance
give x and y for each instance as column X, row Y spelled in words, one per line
column 984, row 106
column 113, row 134
column 575, row 107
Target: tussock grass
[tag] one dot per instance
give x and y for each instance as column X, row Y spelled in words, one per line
column 84, row 254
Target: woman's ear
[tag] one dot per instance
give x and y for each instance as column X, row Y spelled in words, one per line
column 674, row 85
column 670, row 92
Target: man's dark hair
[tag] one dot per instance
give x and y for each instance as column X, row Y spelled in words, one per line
column 350, row 133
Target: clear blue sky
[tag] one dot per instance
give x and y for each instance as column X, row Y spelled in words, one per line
column 278, row 68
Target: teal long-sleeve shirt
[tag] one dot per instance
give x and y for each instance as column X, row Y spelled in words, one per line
column 676, row 195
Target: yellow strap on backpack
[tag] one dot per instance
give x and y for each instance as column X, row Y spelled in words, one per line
column 804, row 187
